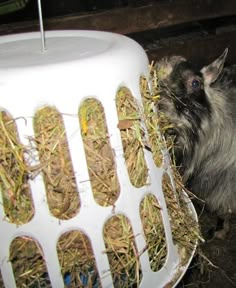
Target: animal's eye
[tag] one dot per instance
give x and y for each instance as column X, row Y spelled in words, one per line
column 196, row 84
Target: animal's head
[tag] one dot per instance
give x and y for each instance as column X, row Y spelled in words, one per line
column 185, row 92
column 186, row 97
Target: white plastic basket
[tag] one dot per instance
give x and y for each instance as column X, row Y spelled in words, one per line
column 76, row 65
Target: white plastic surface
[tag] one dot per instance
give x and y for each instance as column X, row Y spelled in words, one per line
column 76, row 65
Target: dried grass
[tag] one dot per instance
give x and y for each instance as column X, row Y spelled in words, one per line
column 99, row 155
column 28, row 264
column 14, row 174
column 132, row 136
column 56, row 166
column 76, row 259
column 122, row 252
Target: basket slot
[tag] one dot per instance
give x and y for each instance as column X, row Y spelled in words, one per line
column 28, row 263
column 14, row 173
column 122, row 251
column 132, row 136
column 55, row 161
column 77, row 260
column 99, row 155
column 154, row 231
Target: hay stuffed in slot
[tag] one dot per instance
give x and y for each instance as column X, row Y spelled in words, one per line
column 55, row 163
column 132, row 135
column 14, row 173
column 28, row 263
column 99, row 155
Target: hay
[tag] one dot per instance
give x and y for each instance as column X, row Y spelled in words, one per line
column 28, row 263
column 185, row 230
column 54, row 156
column 14, row 174
column 153, row 227
column 76, row 259
column 75, row 255
column 99, row 155
column 132, row 136
column 156, row 123
column 122, row 252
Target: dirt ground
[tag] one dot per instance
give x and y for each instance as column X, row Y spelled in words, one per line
column 214, row 266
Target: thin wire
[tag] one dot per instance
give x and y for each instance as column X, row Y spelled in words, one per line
column 41, row 26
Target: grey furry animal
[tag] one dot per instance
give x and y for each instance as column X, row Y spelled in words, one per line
column 202, row 107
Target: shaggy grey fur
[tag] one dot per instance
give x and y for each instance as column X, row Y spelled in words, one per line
column 202, row 107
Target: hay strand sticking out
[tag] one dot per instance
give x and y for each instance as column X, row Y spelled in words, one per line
column 155, row 121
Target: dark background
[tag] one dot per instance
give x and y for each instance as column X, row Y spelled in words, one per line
column 197, row 29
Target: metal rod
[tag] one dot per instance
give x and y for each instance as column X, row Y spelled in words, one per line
column 41, row 26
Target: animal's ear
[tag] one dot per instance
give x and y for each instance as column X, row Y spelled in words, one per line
column 211, row 72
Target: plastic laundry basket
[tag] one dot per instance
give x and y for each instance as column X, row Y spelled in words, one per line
column 76, row 65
